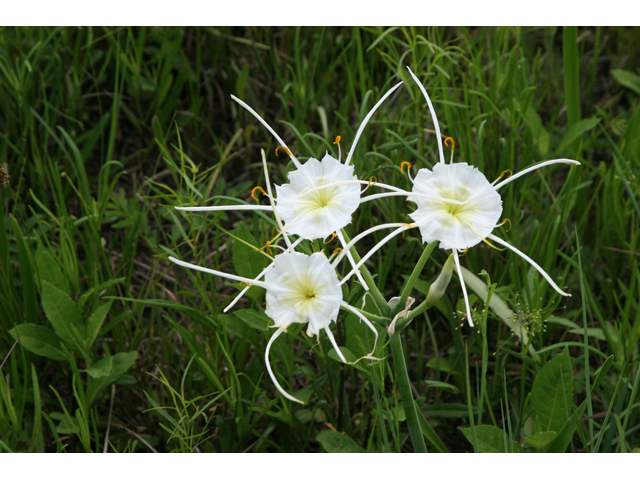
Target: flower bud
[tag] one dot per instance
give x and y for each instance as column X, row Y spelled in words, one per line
column 440, row 285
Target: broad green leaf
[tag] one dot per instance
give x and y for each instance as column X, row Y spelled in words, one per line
column 39, row 340
column 538, row 132
column 106, row 371
column 94, row 324
column 253, row 319
column 562, row 440
column 50, row 271
column 336, row 442
column 490, row 439
column 247, row 261
column 541, row 440
column 627, row 79
column 575, row 131
column 552, row 394
column 65, row 316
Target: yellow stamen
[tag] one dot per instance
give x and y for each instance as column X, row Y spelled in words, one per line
column 253, row 192
column 464, row 253
column 492, row 245
column 372, row 181
column 284, row 148
column 506, row 220
column 337, row 250
column 402, row 167
column 453, row 143
column 333, row 235
column 268, row 247
column 505, row 172
column 337, row 140
column 247, row 284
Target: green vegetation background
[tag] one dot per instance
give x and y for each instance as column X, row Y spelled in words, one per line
column 104, row 130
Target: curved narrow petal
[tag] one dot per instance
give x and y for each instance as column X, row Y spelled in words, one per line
column 228, row 276
column 464, row 289
column 433, row 115
column 344, row 182
column 273, row 377
column 374, row 249
column 533, row 264
column 375, row 196
column 351, row 260
column 366, row 120
column 273, row 206
column 335, row 345
column 225, row 208
column 346, row 306
column 358, row 237
column 400, row 193
column 266, row 125
column 534, row 167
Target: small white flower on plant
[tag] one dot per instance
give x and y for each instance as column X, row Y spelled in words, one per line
column 300, row 289
column 319, row 213
column 459, row 207
column 321, row 196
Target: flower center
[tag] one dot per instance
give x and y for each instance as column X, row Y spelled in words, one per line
column 321, row 198
column 459, row 194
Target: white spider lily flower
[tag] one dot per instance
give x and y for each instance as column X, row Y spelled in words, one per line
column 458, row 207
column 321, row 196
column 319, row 213
column 300, row 289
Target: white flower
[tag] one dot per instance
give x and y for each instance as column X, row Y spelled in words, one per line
column 458, row 207
column 303, row 289
column 319, row 213
column 321, row 196
column 300, row 289
column 457, row 225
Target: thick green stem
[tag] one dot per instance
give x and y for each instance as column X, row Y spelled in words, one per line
column 406, row 395
column 426, row 253
column 373, row 288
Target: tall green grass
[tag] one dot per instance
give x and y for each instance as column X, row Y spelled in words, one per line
column 105, row 130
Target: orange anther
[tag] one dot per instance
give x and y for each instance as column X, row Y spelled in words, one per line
column 453, row 143
column 268, row 247
column 253, row 192
column 333, row 235
column 284, row 148
column 505, row 172
column 506, row 220
column 337, row 140
column 402, row 166
column 463, row 253
column 372, row 181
